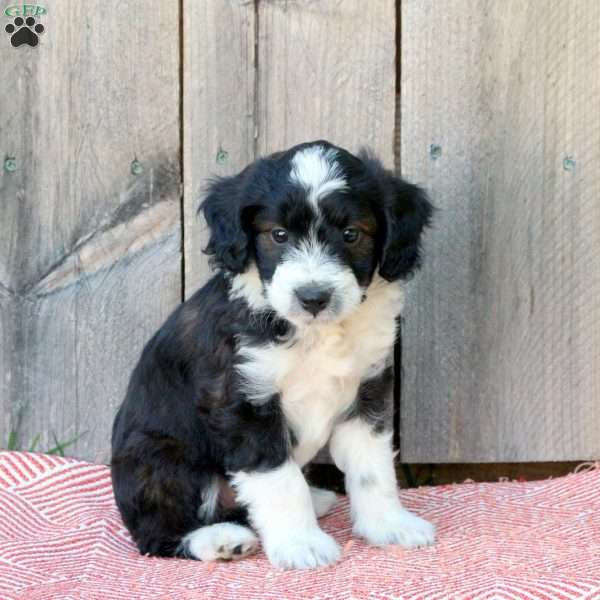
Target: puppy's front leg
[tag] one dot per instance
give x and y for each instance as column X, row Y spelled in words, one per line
column 367, row 459
column 281, row 509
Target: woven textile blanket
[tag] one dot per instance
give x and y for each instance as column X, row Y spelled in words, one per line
column 61, row 537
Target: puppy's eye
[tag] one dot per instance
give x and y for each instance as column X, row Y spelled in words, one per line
column 351, row 235
column 279, row 235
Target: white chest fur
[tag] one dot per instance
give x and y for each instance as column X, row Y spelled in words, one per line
column 318, row 373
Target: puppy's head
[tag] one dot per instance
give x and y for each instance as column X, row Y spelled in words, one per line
column 313, row 225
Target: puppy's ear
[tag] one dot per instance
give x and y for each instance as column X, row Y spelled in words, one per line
column 223, row 209
column 405, row 212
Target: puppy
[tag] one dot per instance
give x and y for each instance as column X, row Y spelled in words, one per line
column 287, row 348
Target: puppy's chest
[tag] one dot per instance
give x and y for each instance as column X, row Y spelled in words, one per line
column 320, row 385
column 322, row 371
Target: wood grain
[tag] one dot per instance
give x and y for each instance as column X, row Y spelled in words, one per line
column 219, row 110
column 502, row 332
column 89, row 252
column 501, row 347
column 256, row 81
column 326, row 70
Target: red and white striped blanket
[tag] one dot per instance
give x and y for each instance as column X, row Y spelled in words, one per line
column 61, row 537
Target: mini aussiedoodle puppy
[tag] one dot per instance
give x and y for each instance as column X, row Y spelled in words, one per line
column 286, row 349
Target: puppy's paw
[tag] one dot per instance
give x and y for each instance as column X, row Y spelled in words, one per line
column 323, row 500
column 398, row 526
column 303, row 550
column 221, row 541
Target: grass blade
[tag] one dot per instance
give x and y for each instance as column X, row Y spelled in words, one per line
column 59, row 447
column 12, row 441
column 34, row 442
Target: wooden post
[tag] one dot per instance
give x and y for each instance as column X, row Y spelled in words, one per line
column 501, row 122
column 89, row 239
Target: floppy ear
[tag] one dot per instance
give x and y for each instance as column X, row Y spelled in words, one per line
column 223, row 210
column 405, row 212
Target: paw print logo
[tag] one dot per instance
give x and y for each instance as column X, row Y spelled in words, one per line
column 24, row 31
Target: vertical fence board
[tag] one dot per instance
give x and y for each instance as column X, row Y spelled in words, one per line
column 6, row 374
column 219, row 104
column 327, row 70
column 89, row 251
column 309, row 80
column 502, row 335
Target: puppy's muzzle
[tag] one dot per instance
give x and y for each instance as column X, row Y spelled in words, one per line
column 313, row 298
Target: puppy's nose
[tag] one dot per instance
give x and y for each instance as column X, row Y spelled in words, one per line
column 313, row 299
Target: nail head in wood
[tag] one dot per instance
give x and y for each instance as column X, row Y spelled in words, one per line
column 435, row 151
column 222, row 157
column 10, row 164
column 136, row 167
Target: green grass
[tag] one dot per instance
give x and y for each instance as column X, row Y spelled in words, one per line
column 12, row 441
column 58, row 448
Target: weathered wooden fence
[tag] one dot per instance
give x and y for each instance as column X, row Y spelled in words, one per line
column 109, row 127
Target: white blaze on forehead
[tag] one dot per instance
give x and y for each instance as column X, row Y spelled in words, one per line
column 317, row 171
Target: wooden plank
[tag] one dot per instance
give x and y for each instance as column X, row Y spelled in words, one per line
column 89, row 251
column 219, row 105
column 310, row 79
column 229, row 117
column 316, row 81
column 415, row 475
column 6, row 342
column 502, row 333
column 327, row 70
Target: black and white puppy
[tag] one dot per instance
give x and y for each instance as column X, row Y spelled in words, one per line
column 287, row 348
